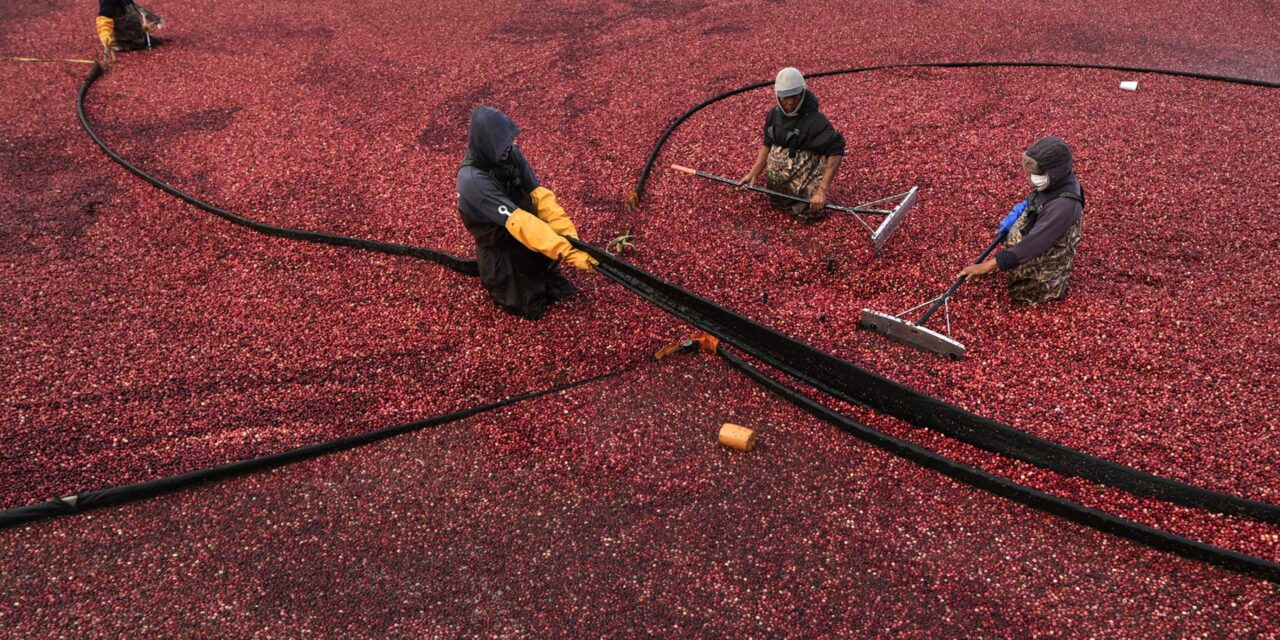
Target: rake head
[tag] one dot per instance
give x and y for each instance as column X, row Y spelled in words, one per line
column 911, row 334
column 892, row 221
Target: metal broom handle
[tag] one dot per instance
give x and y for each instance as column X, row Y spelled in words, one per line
column 711, row 176
column 942, row 299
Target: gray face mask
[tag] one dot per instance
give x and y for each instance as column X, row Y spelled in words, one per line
column 1039, row 181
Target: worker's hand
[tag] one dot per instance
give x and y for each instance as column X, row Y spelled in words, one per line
column 581, row 259
column 549, row 211
column 978, row 269
column 747, row 180
column 818, row 200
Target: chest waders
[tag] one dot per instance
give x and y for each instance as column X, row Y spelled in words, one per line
column 1045, row 277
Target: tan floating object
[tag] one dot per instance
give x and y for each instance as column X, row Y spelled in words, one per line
column 738, row 437
column 26, row 59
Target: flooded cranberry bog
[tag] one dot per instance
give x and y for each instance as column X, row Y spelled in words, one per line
column 147, row 338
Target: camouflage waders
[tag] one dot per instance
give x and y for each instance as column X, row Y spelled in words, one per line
column 1045, row 277
column 798, row 173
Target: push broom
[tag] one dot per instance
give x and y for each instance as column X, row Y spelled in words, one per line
column 897, row 327
column 879, row 234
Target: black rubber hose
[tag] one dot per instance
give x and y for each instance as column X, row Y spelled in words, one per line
column 666, row 133
column 852, row 384
column 1078, row 513
column 460, row 265
column 99, row 498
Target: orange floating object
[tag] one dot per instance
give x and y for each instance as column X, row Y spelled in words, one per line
column 737, row 436
column 697, row 340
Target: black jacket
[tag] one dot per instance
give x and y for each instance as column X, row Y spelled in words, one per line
column 112, row 8
column 807, row 130
column 488, row 183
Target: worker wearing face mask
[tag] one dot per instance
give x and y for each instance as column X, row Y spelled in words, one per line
column 520, row 229
column 801, row 151
column 1043, row 230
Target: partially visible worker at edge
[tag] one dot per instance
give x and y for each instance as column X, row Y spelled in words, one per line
column 1044, row 229
column 123, row 25
column 801, row 151
column 519, row 228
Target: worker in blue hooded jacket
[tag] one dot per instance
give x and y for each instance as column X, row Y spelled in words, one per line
column 520, row 230
column 1043, row 231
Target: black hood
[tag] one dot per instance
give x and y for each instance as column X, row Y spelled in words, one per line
column 1053, row 157
column 490, row 134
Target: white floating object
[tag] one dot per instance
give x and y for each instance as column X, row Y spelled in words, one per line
column 1129, row 85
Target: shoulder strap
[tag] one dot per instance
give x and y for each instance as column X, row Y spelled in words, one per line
column 1078, row 197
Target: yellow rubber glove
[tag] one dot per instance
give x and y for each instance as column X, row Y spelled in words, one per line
column 537, row 235
column 581, row 260
column 550, row 212
column 106, row 30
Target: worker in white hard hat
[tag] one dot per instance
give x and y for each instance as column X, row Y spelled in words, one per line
column 801, row 151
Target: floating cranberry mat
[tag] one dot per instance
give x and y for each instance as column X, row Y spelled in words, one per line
column 145, row 338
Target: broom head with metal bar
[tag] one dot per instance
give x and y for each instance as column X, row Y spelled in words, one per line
column 894, row 219
column 911, row 334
